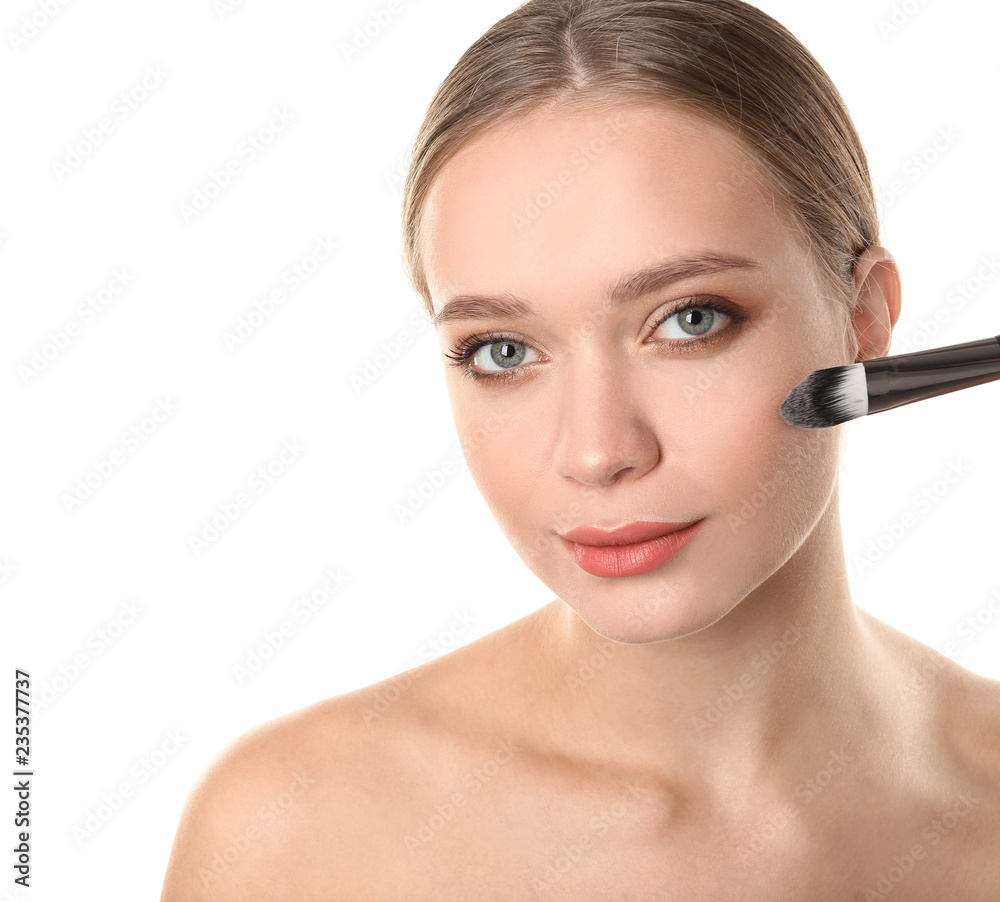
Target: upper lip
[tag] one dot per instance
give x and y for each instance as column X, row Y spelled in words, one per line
column 629, row 534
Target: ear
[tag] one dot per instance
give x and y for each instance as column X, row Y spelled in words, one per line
column 878, row 295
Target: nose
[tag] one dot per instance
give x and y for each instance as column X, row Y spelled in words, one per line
column 603, row 434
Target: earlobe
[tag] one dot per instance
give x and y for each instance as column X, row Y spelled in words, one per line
column 877, row 302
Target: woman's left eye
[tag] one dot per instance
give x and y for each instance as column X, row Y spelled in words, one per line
column 692, row 322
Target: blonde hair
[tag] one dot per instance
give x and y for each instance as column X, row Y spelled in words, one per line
column 724, row 59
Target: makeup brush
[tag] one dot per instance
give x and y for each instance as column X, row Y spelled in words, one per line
column 841, row 393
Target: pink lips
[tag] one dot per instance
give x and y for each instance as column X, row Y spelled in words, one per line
column 629, row 550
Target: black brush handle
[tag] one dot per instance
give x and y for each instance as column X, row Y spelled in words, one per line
column 895, row 381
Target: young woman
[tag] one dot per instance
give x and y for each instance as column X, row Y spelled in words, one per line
column 637, row 225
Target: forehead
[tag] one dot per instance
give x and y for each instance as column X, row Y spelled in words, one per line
column 570, row 195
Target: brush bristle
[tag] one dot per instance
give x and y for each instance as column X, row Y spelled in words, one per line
column 828, row 398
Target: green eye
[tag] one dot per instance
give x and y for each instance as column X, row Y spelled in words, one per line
column 692, row 322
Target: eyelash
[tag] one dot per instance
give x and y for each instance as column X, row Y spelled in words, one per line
column 465, row 350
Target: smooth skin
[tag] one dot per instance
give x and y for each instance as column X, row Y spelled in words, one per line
column 729, row 726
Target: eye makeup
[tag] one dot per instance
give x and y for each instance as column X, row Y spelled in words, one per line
column 696, row 312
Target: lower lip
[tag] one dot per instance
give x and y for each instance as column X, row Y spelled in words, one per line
column 630, row 560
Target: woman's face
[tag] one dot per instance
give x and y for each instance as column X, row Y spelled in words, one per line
column 634, row 305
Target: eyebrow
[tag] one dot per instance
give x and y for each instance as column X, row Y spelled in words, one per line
column 627, row 288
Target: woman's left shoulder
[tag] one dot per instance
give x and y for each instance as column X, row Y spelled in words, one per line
column 947, row 699
column 970, row 704
column 976, row 707
column 969, row 708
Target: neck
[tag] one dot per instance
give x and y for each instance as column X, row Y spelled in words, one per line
column 782, row 681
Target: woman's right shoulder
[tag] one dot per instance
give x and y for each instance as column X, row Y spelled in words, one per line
column 305, row 788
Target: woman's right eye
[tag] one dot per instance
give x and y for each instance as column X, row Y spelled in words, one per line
column 491, row 356
column 503, row 356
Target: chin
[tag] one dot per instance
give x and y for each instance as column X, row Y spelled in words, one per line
column 655, row 610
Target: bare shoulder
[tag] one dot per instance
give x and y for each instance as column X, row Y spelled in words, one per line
column 965, row 704
column 244, row 818
column 943, row 770
column 297, row 800
column 971, row 725
column 328, row 797
column 971, row 703
column 960, row 734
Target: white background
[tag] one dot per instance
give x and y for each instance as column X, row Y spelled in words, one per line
column 336, row 171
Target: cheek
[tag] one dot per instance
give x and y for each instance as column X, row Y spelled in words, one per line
column 739, row 455
column 783, row 477
column 495, row 438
